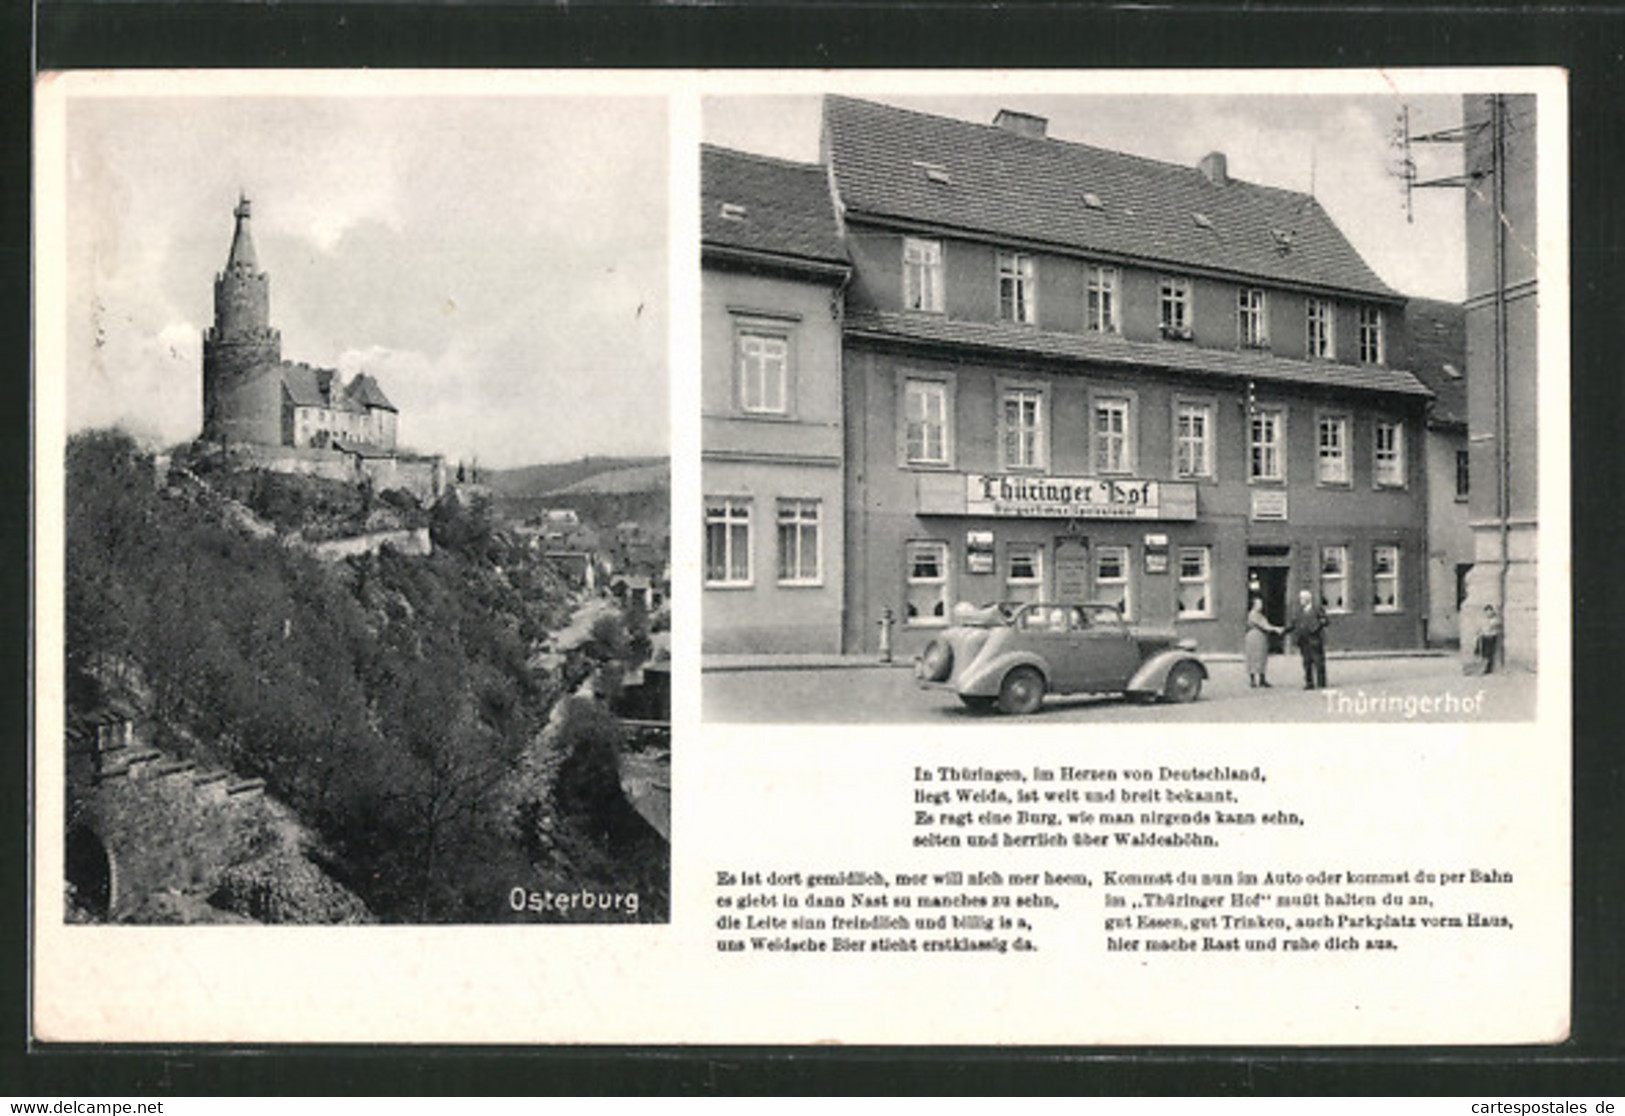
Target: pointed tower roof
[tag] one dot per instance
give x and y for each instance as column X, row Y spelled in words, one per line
column 242, row 243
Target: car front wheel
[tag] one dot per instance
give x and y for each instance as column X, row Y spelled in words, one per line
column 1022, row 692
column 1184, row 683
column 938, row 661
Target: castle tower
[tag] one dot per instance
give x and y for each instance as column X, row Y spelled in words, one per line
column 242, row 338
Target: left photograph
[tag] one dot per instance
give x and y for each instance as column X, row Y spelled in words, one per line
column 366, row 506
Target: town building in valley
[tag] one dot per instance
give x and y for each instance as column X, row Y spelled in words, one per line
column 773, row 269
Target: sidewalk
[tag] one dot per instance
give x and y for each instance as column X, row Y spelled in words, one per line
column 870, row 661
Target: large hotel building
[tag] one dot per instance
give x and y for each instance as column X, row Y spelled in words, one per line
column 957, row 362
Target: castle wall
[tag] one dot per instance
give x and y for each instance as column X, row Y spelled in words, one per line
column 423, row 477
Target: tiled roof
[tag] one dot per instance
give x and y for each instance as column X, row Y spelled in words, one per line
column 365, row 390
column 1436, row 342
column 313, row 387
column 895, row 164
column 772, row 206
column 1114, row 350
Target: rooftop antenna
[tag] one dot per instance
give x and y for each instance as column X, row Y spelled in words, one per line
column 1405, row 168
column 1311, row 169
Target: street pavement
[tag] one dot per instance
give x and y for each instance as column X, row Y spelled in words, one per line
column 1395, row 689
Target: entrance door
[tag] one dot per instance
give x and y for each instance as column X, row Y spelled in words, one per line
column 1270, row 583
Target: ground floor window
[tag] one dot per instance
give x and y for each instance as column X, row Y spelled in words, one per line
column 1385, row 579
column 1112, row 578
column 1334, row 578
column 1024, row 576
column 927, row 602
column 1195, row 583
column 799, row 522
column 727, row 541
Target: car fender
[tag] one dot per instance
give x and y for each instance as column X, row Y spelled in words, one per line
column 984, row 676
column 1153, row 673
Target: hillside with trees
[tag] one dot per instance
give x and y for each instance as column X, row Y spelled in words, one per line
column 397, row 705
column 603, row 490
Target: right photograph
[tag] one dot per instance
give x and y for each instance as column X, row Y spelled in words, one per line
column 1119, row 408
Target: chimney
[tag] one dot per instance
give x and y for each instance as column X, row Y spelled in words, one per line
column 1021, row 123
column 1213, row 168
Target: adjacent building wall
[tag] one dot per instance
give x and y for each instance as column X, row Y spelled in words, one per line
column 763, row 459
column 1504, row 505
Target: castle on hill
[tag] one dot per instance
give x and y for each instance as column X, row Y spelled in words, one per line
column 251, row 395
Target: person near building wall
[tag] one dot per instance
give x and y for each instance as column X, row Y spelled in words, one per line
column 1308, row 627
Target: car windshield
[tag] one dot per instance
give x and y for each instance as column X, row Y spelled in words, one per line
column 1043, row 617
column 994, row 615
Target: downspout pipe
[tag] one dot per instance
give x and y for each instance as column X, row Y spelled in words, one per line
column 1503, row 425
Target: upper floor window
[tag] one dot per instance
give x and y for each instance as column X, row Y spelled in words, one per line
column 1267, row 441
column 1174, row 302
column 922, row 274
column 1332, row 450
column 1389, row 450
column 1021, row 428
column 1252, row 318
column 1100, row 313
column 1193, row 440
column 925, row 422
column 764, row 372
column 1114, row 442
column 1371, row 351
column 1322, row 329
column 1463, row 474
column 1017, row 288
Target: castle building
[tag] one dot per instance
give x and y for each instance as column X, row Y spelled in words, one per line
column 252, row 395
column 1071, row 373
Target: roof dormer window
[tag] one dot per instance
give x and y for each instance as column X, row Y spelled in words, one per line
column 935, row 172
column 1092, row 201
column 733, row 211
column 1203, row 221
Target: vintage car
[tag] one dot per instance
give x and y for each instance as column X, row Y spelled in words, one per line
column 1011, row 655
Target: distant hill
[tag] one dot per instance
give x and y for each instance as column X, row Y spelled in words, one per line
column 621, row 482
column 604, row 491
column 539, row 480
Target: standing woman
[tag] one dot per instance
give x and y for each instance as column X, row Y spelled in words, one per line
column 1256, row 644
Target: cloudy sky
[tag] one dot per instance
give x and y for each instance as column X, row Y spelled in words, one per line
column 1343, row 142
column 500, row 263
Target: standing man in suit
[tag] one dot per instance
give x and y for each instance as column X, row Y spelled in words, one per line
column 1309, row 627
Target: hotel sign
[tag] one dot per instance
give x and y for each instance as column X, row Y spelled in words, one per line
column 1039, row 497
